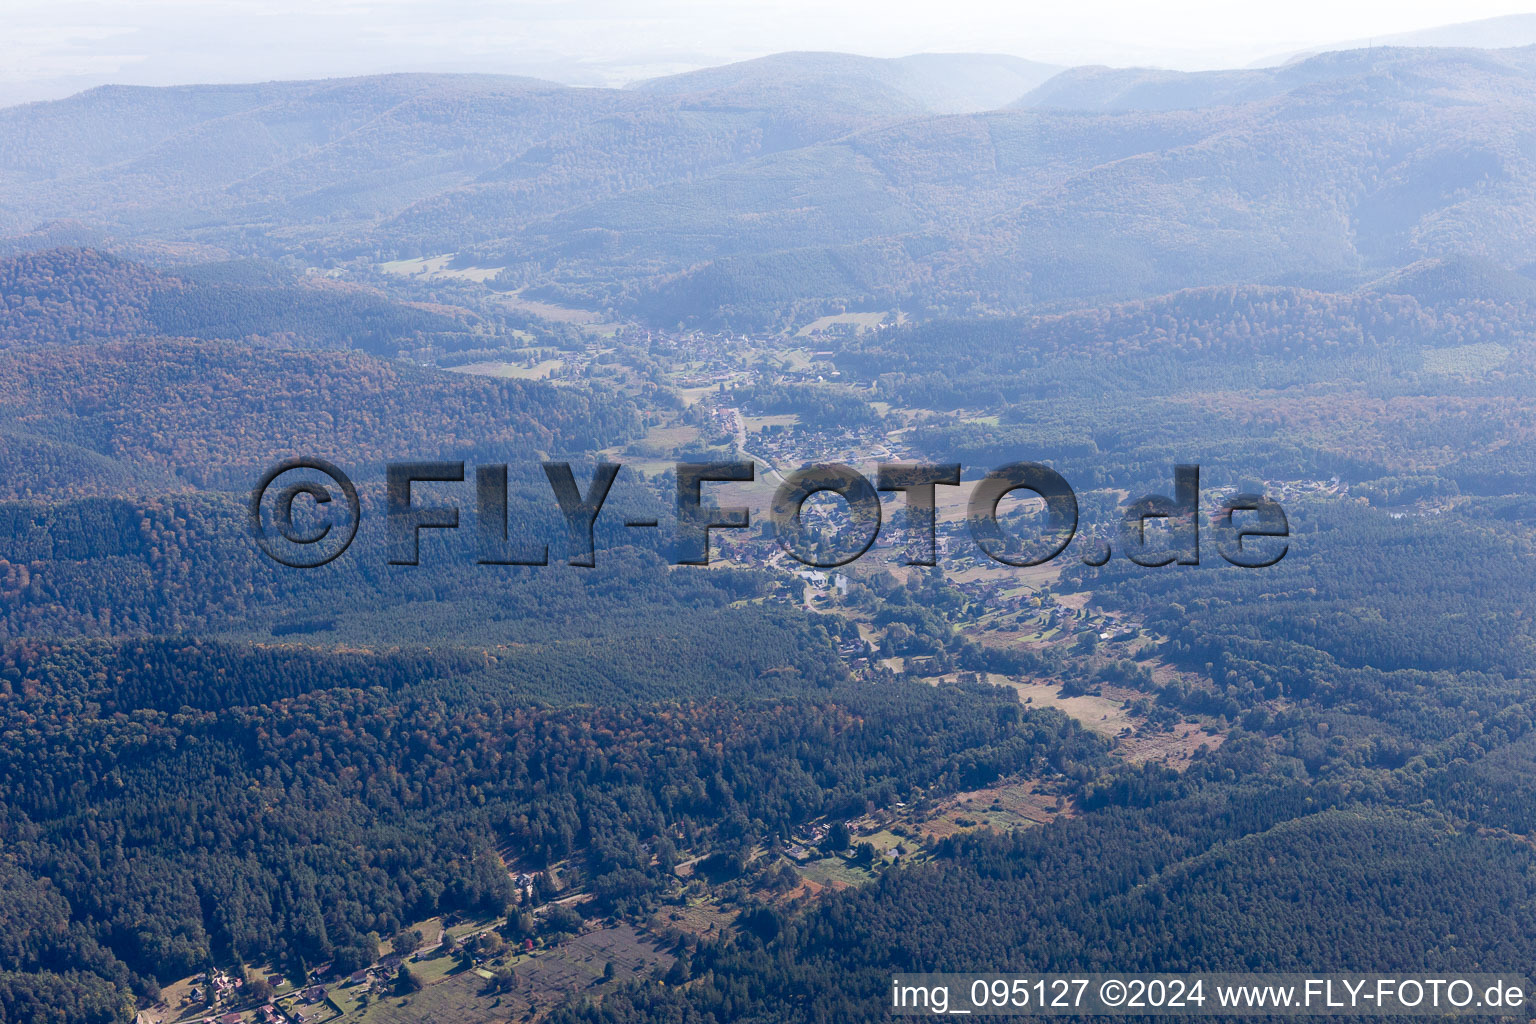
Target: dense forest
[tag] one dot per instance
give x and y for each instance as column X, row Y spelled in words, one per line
column 86, row 295
column 1206, row 878
column 1430, row 370
column 292, row 812
column 219, row 413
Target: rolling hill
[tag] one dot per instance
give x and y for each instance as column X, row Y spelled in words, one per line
column 85, row 295
column 817, row 182
column 1487, row 33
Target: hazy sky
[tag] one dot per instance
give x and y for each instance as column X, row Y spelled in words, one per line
column 51, row 48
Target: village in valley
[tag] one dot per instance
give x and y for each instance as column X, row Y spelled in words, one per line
column 703, row 399
column 546, row 950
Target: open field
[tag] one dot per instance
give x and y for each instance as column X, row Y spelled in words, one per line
column 1030, row 577
column 1465, row 360
column 544, row 979
column 1004, row 806
column 1106, row 715
column 438, row 266
column 756, row 423
column 860, row 321
column 702, row 917
column 559, row 314
column 664, row 440
column 833, row 872
column 456, row 998
column 1102, row 715
column 512, row 371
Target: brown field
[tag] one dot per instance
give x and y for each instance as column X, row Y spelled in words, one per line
column 1104, row 715
column 559, row 314
column 1004, row 806
column 1032, row 576
column 1174, row 749
column 545, row 979
column 702, row 918
column 1107, row 716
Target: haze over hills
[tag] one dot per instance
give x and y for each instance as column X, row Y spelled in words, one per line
column 938, row 83
column 1020, row 208
column 1486, row 33
column 1105, row 89
column 819, row 181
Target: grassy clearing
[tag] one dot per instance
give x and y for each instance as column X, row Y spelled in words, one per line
column 1106, row 715
column 437, row 267
column 702, row 917
column 860, row 321
column 510, row 371
column 691, row 396
column 756, row 423
column 558, row 314
column 435, row 968
column 833, row 872
column 544, row 980
column 1004, row 806
column 1465, row 360
column 1102, row 715
column 458, row 998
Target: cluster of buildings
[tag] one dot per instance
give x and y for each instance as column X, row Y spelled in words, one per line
column 801, row 846
column 726, row 420
column 215, row 987
column 226, row 992
column 792, row 446
column 825, row 581
column 271, row 1013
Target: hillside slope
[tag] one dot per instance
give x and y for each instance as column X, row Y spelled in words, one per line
column 813, row 182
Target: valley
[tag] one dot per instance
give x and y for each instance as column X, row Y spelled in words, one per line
column 652, row 792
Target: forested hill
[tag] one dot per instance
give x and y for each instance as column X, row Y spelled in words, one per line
column 218, row 413
column 1429, row 367
column 1026, row 208
column 1103, row 89
column 77, row 295
column 815, row 182
column 304, row 828
column 1381, row 342
column 339, row 155
column 118, row 377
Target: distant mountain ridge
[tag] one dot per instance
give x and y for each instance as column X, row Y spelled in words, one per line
column 809, row 183
column 939, row 83
column 1106, row 89
column 1487, row 33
